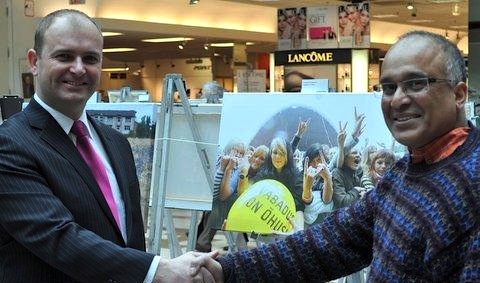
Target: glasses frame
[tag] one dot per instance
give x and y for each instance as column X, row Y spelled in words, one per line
column 407, row 89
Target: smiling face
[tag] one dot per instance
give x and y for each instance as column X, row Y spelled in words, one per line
column 291, row 16
column 278, row 155
column 69, row 67
column 257, row 159
column 352, row 13
column 416, row 120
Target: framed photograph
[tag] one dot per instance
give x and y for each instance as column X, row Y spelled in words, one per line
column 28, row 86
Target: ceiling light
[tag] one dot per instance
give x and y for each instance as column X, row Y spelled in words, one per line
column 418, row 21
column 120, row 49
column 385, row 16
column 225, row 44
column 444, row 1
column 205, row 46
column 410, row 6
column 124, row 69
column 110, row 33
column 167, row 39
column 456, row 10
column 459, row 27
column 193, row 2
column 182, row 45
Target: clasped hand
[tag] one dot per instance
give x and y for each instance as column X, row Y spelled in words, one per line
column 192, row 267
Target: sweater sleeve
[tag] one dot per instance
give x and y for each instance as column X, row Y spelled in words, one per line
column 340, row 246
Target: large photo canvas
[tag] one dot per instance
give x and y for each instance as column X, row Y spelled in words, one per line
column 255, row 126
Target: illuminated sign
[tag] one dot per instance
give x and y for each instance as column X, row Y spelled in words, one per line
column 313, row 56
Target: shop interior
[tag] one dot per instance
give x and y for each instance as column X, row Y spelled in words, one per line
column 204, row 46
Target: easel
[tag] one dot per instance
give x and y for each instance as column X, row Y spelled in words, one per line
column 171, row 83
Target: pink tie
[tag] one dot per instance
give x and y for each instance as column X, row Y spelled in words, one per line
column 93, row 160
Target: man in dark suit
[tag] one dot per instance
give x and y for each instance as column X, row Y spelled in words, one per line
column 57, row 224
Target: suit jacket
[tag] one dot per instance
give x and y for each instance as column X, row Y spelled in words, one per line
column 55, row 225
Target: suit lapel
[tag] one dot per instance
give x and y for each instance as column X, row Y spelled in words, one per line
column 56, row 137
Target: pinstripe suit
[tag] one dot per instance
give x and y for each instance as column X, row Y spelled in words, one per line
column 55, row 225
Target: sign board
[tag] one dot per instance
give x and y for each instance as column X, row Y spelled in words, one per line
column 314, row 85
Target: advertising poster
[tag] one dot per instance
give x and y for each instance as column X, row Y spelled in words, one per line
column 292, row 28
column 322, row 27
column 354, row 25
column 251, row 80
column 295, row 75
column 254, row 127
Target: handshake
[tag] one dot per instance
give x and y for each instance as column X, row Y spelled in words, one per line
column 191, row 267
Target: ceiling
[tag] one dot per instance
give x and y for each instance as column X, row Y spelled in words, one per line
column 429, row 13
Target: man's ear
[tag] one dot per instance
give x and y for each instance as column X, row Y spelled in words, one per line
column 461, row 93
column 32, row 61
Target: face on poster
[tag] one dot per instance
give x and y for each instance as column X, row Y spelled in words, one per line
column 292, row 28
column 258, row 120
column 354, row 25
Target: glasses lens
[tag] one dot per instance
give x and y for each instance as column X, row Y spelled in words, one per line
column 415, row 86
column 388, row 89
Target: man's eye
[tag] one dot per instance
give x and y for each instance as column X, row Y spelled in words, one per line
column 417, row 84
column 91, row 59
column 388, row 88
column 63, row 57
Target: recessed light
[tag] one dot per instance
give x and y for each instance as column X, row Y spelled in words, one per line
column 420, row 21
column 225, row 44
column 459, row 27
column 444, row 1
column 385, row 16
column 167, row 39
column 118, row 49
column 115, row 69
column 110, row 33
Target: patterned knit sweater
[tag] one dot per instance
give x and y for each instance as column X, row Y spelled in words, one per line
column 421, row 224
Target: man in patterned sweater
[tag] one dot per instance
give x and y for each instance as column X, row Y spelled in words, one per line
column 421, row 223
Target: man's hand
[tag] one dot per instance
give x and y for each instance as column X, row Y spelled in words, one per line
column 191, row 267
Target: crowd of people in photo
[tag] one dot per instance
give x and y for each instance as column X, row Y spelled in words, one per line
column 321, row 178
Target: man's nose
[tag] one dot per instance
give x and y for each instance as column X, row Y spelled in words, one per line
column 77, row 67
column 400, row 97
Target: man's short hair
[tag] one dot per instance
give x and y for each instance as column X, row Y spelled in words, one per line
column 455, row 69
column 49, row 19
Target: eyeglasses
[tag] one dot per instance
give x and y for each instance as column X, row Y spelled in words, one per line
column 412, row 87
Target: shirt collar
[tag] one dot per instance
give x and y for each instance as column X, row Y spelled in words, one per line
column 65, row 122
column 441, row 147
